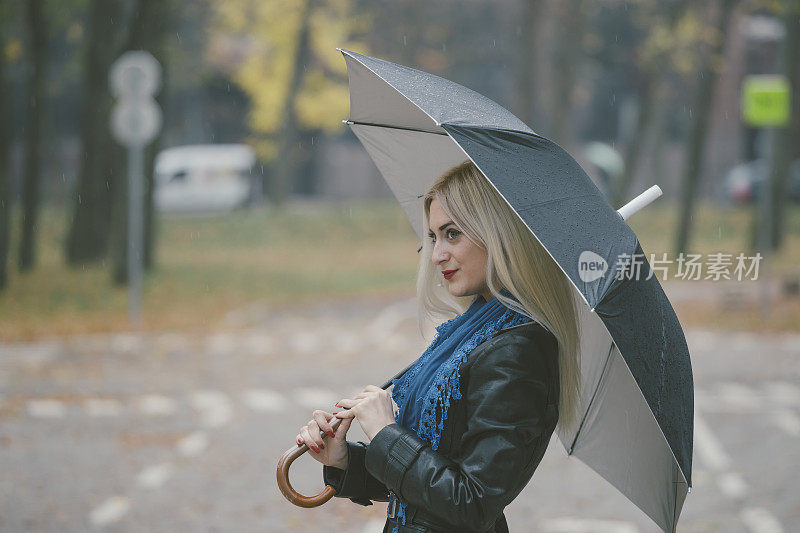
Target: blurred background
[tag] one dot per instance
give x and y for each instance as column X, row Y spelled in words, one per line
column 279, row 271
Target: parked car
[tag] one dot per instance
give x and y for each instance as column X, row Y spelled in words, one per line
column 744, row 182
column 204, row 177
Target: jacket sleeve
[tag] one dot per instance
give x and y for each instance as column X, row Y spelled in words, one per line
column 506, row 406
column 355, row 482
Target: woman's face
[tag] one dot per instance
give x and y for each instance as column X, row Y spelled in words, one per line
column 460, row 261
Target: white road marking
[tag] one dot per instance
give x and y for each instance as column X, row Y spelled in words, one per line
column 171, row 342
column 264, row 400
column 708, row 447
column 102, row 407
column 304, row 343
column 28, row 355
column 738, row 395
column 570, row 524
column 707, row 402
column 700, row 477
column 390, row 317
column 46, row 409
column 787, row 421
column 790, row 342
column 214, row 406
column 759, row 520
column 193, row 444
column 126, row 343
column 783, row 393
column 346, row 341
column 313, row 398
column 258, row 343
column 154, row 476
column 155, row 404
column 732, row 485
column 702, row 340
column 222, row 343
column 110, row 511
column 375, row 525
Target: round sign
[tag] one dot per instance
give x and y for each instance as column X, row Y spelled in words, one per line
column 135, row 73
column 135, row 122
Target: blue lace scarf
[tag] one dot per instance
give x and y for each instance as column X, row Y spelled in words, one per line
column 424, row 392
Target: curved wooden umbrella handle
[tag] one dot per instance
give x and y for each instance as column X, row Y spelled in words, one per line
column 286, row 487
column 293, row 453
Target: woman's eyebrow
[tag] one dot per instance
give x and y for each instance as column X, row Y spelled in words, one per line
column 442, row 226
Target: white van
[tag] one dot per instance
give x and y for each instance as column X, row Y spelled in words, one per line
column 204, row 177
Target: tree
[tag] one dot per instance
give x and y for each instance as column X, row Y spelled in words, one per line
column 710, row 62
column 787, row 137
column 5, row 142
column 570, row 19
column 89, row 229
column 526, row 86
column 657, row 24
column 295, row 77
column 37, row 31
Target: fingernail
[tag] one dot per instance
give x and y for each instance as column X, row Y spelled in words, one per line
column 331, row 433
column 315, row 449
column 322, row 446
column 337, row 405
column 299, row 441
column 335, row 412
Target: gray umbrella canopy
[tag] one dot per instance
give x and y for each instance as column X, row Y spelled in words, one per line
column 637, row 387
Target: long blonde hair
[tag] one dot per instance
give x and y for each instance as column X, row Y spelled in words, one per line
column 516, row 261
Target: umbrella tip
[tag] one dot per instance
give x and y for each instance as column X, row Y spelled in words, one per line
column 627, row 210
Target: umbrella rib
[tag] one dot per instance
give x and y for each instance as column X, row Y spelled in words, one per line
column 591, row 401
column 351, row 122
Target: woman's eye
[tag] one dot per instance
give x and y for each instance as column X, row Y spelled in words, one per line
column 453, row 233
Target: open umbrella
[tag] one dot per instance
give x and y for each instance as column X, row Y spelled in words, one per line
column 637, row 392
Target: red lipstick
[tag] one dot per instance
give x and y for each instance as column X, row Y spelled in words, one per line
column 448, row 273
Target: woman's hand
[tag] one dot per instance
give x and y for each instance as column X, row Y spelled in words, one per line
column 373, row 407
column 331, row 451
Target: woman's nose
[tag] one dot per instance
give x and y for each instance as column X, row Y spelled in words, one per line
column 439, row 255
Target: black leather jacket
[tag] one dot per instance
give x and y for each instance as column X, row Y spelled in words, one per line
column 492, row 441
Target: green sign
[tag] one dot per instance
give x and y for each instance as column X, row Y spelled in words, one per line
column 765, row 101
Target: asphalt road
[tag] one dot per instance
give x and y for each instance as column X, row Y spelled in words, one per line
column 181, row 432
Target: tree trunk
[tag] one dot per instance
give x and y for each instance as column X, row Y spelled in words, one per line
column 530, row 22
column 785, row 138
column 634, row 145
column 89, row 229
column 566, row 59
column 286, row 160
column 5, row 185
column 33, row 133
column 697, row 137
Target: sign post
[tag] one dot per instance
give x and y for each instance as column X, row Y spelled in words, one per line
column 766, row 104
column 135, row 121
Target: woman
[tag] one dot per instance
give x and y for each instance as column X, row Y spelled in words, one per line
column 463, row 430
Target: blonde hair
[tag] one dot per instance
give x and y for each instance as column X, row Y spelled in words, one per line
column 516, row 261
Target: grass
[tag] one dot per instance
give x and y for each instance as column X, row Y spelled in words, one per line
column 206, row 267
